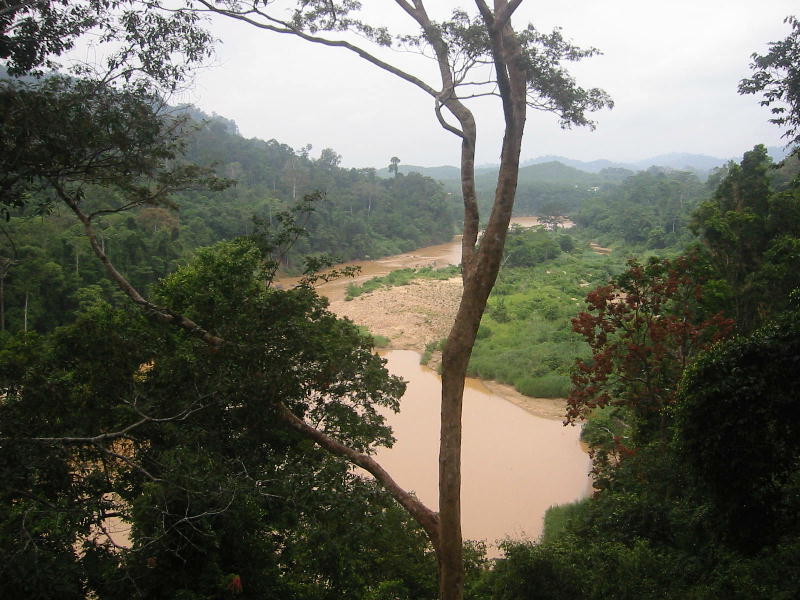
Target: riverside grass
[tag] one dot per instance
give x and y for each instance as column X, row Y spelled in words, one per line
column 525, row 338
column 399, row 277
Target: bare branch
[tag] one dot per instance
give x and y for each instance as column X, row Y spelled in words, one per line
column 160, row 312
column 112, row 211
column 428, row 519
column 286, row 28
column 131, row 463
column 494, row 93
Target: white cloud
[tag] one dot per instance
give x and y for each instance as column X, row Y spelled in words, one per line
column 672, row 69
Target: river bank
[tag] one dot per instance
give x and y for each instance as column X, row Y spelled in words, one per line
column 515, row 465
column 413, row 315
column 518, row 459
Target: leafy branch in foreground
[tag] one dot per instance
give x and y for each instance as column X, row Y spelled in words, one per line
column 776, row 75
column 193, row 441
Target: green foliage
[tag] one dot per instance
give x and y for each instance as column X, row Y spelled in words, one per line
column 138, row 39
column 400, row 277
column 545, row 386
column 776, row 77
column 648, row 210
column 529, row 247
column 61, row 132
column 748, row 460
column 525, row 338
column 359, row 215
column 379, row 341
column 194, row 457
column 542, row 189
column 430, row 348
column 710, row 513
column 562, row 518
column 47, row 261
column 574, row 568
column 750, row 236
column 695, row 492
column 604, row 427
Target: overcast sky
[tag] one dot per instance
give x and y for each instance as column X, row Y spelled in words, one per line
column 672, row 69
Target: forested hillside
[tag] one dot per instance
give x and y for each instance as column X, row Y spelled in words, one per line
column 686, row 390
column 359, row 214
column 173, row 425
column 47, row 265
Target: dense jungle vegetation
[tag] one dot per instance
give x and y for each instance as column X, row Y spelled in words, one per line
column 685, row 383
column 657, row 524
column 690, row 388
column 47, row 263
column 679, row 350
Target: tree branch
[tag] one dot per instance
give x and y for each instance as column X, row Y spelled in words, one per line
column 160, row 312
column 428, row 519
column 16, row 7
column 285, row 28
column 445, row 125
column 503, row 15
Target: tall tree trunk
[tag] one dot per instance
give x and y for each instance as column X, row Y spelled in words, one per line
column 480, row 264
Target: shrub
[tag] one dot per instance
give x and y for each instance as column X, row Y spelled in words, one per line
column 546, row 386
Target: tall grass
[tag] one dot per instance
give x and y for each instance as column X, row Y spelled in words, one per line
column 379, row 341
column 526, row 337
column 560, row 518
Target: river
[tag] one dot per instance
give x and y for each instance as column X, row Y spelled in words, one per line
column 439, row 255
column 516, row 464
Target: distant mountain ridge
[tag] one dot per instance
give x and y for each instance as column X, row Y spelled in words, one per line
column 701, row 164
column 676, row 160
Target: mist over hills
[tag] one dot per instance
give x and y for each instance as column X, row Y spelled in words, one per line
column 677, row 160
column 700, row 164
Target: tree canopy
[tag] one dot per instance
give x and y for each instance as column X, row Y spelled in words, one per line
column 158, row 46
column 118, row 417
column 476, row 54
column 776, row 76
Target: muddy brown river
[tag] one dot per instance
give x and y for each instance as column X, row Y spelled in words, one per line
column 440, row 255
column 515, row 464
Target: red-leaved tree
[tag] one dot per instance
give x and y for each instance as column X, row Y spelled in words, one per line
column 643, row 329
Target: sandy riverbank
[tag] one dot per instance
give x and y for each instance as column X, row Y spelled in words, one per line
column 413, row 315
column 410, row 315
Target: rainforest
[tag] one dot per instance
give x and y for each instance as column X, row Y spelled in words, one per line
column 210, row 342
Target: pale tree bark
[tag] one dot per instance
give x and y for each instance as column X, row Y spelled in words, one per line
column 512, row 67
column 481, row 258
column 481, row 264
